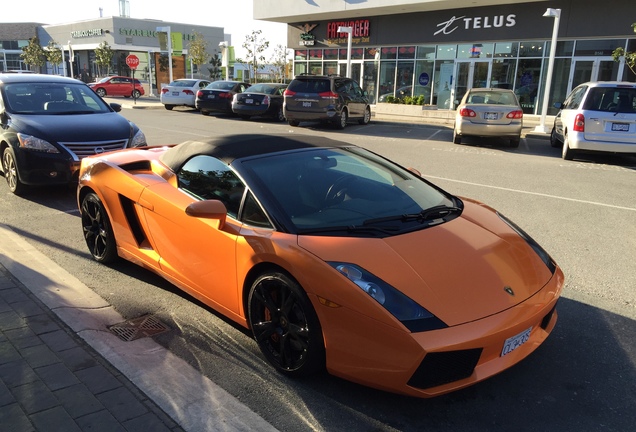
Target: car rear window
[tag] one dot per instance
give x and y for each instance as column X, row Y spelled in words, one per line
column 183, row 83
column 611, row 99
column 309, row 86
column 492, row 98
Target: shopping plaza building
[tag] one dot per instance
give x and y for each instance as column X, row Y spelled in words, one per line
column 441, row 48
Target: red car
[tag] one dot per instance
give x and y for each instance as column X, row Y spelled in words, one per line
column 118, row 86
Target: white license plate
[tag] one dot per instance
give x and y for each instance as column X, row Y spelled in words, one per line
column 307, row 104
column 175, row 93
column 249, row 101
column 620, row 127
column 515, row 342
column 210, row 96
column 490, row 116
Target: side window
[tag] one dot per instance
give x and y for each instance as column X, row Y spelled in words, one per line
column 356, row 88
column 206, row 178
column 253, row 214
column 574, row 101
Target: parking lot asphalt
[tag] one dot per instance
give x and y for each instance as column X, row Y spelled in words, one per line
column 62, row 370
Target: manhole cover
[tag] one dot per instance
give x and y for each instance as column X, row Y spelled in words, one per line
column 136, row 328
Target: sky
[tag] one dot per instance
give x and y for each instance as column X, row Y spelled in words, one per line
column 235, row 16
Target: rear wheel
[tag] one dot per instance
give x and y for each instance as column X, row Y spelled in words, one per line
column 280, row 115
column 10, row 168
column 285, row 325
column 514, row 142
column 554, row 141
column 566, row 152
column 100, row 92
column 98, row 231
column 367, row 116
column 342, row 120
column 168, row 107
column 293, row 122
column 245, row 117
column 205, row 113
column 136, row 94
column 457, row 138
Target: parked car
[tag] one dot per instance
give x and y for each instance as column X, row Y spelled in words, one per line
column 217, row 96
column 49, row 123
column 263, row 100
column 118, row 86
column 181, row 92
column 333, row 256
column 489, row 112
column 596, row 116
column 322, row 98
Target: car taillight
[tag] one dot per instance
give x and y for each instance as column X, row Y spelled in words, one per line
column 200, row 93
column 515, row 114
column 289, row 93
column 579, row 123
column 265, row 100
column 328, row 95
column 164, row 90
column 467, row 112
column 188, row 92
column 226, row 95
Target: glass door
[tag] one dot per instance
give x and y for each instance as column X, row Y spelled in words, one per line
column 593, row 69
column 469, row 74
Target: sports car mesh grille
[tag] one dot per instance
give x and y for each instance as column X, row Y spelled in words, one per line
column 83, row 149
column 445, row 367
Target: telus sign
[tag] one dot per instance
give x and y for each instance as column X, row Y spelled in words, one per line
column 473, row 23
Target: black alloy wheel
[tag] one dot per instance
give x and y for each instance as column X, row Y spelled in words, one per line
column 285, row 325
column 98, row 231
column 10, row 169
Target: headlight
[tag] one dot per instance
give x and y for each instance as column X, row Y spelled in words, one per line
column 545, row 257
column 139, row 140
column 412, row 315
column 37, row 144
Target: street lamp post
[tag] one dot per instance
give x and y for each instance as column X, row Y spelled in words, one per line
column 225, row 62
column 556, row 14
column 349, row 31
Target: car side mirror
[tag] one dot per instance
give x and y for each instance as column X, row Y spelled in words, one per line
column 208, row 209
column 116, row 107
column 4, row 117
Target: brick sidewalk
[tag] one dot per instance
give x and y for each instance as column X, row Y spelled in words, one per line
column 51, row 380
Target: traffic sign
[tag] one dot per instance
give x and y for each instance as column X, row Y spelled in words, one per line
column 132, row 61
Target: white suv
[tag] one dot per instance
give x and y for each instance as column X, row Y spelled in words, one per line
column 597, row 116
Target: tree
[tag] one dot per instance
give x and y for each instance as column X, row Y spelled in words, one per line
column 197, row 50
column 103, row 57
column 54, row 54
column 279, row 62
column 33, row 54
column 630, row 56
column 215, row 69
column 255, row 46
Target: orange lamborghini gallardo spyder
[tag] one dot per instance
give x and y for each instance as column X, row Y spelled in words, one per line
column 333, row 256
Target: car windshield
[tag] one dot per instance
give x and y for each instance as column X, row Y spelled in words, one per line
column 309, row 85
column 492, row 98
column 52, row 99
column 349, row 190
column 611, row 99
column 221, row 85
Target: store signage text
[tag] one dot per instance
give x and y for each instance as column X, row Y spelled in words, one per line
column 475, row 23
column 86, row 33
column 361, row 29
column 147, row 33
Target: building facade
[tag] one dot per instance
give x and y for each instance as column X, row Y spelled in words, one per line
column 439, row 49
column 124, row 35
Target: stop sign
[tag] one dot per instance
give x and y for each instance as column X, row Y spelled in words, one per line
column 132, row 61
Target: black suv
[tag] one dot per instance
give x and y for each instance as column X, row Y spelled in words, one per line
column 327, row 99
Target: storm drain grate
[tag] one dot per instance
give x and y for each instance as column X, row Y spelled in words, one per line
column 137, row 328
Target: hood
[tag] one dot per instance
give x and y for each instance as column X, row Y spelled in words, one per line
column 74, row 127
column 457, row 270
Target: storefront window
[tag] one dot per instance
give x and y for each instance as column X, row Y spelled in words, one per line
column 331, row 54
column 315, row 54
column 407, row 52
column 531, row 49
column 503, row 73
column 602, row 47
column 423, row 74
column 315, row 68
column 372, row 54
column 446, row 52
column 527, row 84
column 387, row 79
column 506, row 49
column 426, row 52
column 563, row 48
column 388, row 53
column 356, row 53
column 300, row 68
column 404, row 78
column 442, row 83
column 369, row 78
column 475, row 50
column 331, row 68
column 300, row 54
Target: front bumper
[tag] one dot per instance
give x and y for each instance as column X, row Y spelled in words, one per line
column 37, row 168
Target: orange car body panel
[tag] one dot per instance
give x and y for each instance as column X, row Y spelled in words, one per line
column 364, row 343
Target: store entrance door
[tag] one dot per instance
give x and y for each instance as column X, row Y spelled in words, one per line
column 356, row 70
column 469, row 74
column 592, row 69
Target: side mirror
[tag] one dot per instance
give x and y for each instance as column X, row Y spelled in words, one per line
column 116, row 107
column 4, row 117
column 208, row 209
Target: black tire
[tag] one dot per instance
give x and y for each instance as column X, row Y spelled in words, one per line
column 205, row 113
column 136, row 94
column 554, row 141
column 367, row 117
column 457, row 139
column 514, row 142
column 168, row 107
column 245, row 117
column 100, row 92
column 342, row 120
column 10, row 169
column 98, row 231
column 285, row 325
column 566, row 152
column 293, row 122
column 280, row 115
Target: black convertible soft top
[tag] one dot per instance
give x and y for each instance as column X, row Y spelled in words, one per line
column 232, row 147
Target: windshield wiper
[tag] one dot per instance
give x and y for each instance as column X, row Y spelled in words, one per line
column 349, row 228
column 436, row 212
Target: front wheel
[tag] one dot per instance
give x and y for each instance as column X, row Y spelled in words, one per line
column 136, row 94
column 168, row 107
column 10, row 168
column 98, row 231
column 285, row 325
